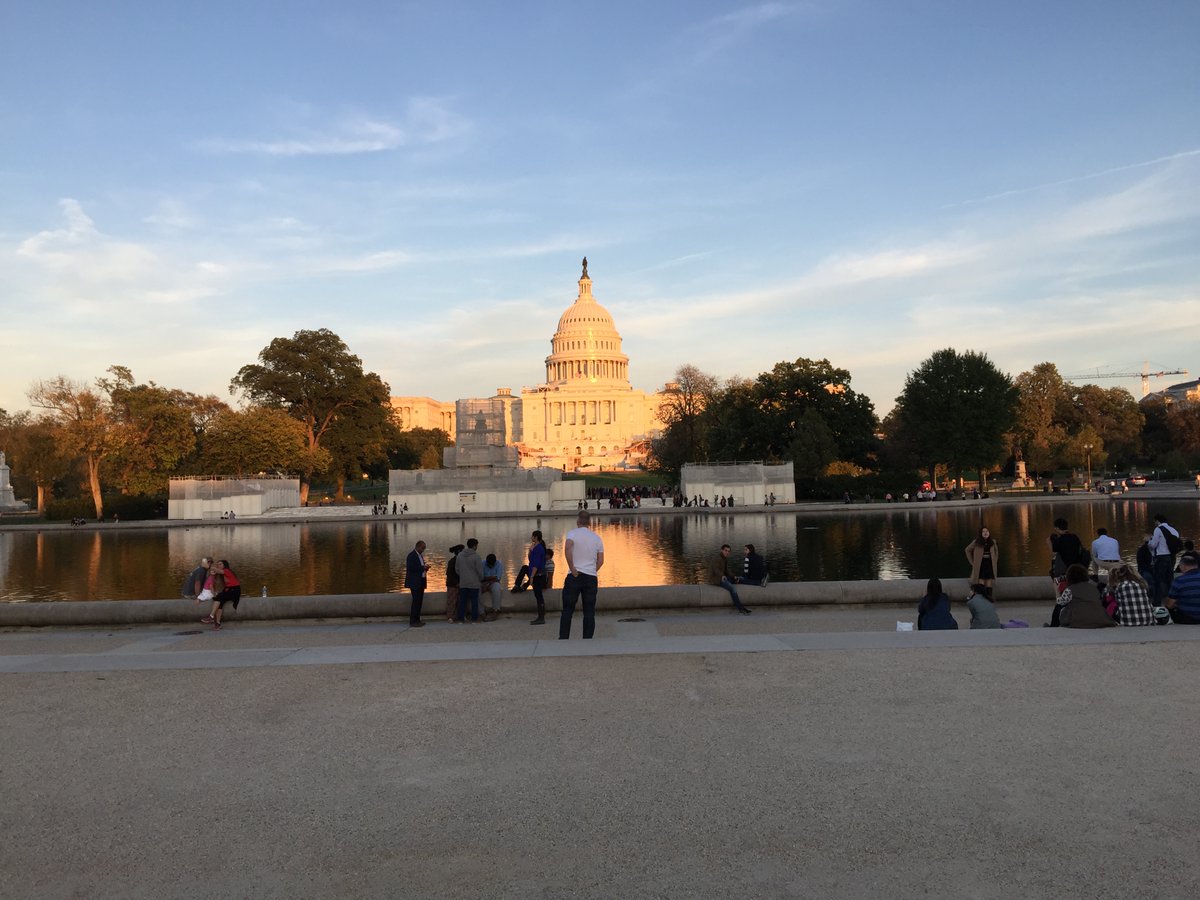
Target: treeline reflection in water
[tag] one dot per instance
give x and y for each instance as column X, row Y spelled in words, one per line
column 642, row 548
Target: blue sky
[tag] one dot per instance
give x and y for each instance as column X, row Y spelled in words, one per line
column 861, row 181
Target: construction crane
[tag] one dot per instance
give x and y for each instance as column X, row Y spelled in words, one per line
column 1145, row 375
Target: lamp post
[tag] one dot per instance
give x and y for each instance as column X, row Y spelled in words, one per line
column 1088, row 448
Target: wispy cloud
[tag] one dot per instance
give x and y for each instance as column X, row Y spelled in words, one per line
column 426, row 121
column 1103, row 173
column 714, row 35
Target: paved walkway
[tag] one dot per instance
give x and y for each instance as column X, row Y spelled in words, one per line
column 785, row 754
column 256, row 644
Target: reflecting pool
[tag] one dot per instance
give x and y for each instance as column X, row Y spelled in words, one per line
column 641, row 548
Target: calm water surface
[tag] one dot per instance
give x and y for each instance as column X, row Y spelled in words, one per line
column 641, row 548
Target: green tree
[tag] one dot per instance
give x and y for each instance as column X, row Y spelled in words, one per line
column 153, row 432
column 1157, row 438
column 39, row 460
column 791, row 390
column 258, row 439
column 1183, row 424
column 958, row 409
column 358, row 443
column 419, row 448
column 317, row 380
column 82, row 417
column 1112, row 415
column 682, row 413
column 1038, row 432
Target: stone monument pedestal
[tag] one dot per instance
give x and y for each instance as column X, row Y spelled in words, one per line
column 8, row 500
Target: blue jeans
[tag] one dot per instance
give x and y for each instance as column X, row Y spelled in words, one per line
column 728, row 585
column 465, row 594
column 1164, row 574
column 573, row 588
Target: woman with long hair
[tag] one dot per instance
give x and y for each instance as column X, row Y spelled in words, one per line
column 1134, row 606
column 537, row 575
column 933, row 612
column 984, row 557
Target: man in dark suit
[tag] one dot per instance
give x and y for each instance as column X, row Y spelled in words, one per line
column 415, row 569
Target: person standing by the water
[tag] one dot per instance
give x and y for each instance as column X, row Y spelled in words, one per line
column 452, row 582
column 984, row 557
column 585, row 557
column 1065, row 551
column 470, row 580
column 416, row 577
column 1161, row 539
column 537, row 575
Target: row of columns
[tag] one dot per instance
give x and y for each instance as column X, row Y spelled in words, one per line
column 586, row 368
column 582, row 412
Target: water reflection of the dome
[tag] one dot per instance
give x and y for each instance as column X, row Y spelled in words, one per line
column 641, row 547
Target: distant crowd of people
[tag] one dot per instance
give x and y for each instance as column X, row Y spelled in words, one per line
column 1093, row 587
column 470, row 577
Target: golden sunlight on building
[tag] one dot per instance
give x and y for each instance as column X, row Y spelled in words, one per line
column 585, row 415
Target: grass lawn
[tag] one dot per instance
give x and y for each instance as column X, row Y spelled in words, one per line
column 617, row 479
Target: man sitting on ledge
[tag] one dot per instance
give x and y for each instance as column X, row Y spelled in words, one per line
column 1183, row 597
column 718, row 575
column 754, row 568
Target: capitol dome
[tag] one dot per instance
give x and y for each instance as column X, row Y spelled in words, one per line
column 586, row 348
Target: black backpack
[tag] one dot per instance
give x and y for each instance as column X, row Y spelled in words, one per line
column 1174, row 542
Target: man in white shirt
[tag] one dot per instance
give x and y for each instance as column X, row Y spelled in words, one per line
column 1164, row 559
column 1106, row 552
column 585, row 556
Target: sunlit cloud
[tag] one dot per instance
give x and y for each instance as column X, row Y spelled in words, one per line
column 93, row 271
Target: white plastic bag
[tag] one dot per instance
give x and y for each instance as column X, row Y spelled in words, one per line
column 904, row 626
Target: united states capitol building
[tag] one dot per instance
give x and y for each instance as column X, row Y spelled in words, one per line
column 585, row 415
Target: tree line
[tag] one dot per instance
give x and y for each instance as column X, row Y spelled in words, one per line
column 958, row 416
column 308, row 411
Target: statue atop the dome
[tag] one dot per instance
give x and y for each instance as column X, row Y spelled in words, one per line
column 585, row 274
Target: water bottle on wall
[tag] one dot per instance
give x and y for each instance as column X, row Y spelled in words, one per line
column 264, row 593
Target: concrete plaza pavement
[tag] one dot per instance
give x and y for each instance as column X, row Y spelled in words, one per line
column 809, row 752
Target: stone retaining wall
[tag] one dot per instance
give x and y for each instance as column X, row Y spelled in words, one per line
column 680, row 596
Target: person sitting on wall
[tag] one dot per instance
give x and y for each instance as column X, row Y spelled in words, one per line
column 718, row 576
column 754, row 568
column 933, row 612
column 492, row 584
column 1183, row 597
